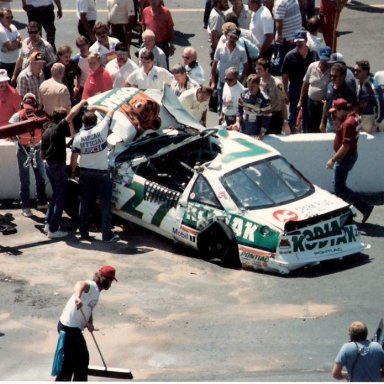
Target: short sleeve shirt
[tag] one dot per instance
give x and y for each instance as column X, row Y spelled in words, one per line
column 226, row 59
column 88, row 7
column 369, row 357
column 92, row 145
column 318, row 81
column 156, row 78
column 53, row 142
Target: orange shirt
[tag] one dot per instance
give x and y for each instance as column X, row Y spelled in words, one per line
column 9, row 104
column 97, row 82
column 160, row 24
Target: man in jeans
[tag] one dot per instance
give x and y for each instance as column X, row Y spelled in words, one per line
column 53, row 151
column 347, row 123
column 95, row 180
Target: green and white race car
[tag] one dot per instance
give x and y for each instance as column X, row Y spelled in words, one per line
column 222, row 193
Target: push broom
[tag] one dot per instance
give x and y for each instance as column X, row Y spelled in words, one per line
column 114, row 373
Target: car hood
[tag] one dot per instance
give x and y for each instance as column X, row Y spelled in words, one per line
column 319, row 203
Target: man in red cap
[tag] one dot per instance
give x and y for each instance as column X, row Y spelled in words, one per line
column 76, row 316
column 347, row 123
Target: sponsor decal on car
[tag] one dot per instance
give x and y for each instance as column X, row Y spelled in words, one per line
column 307, row 241
column 285, row 215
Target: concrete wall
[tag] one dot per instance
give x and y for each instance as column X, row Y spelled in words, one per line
column 308, row 153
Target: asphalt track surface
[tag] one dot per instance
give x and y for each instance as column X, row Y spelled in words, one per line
column 174, row 317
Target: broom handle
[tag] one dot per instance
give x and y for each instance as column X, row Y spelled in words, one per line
column 94, row 339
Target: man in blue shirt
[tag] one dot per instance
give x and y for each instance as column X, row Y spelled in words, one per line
column 363, row 359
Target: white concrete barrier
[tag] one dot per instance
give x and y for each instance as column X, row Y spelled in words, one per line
column 307, row 152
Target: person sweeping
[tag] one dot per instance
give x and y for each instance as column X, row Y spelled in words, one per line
column 72, row 359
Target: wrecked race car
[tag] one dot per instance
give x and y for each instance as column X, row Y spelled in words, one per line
column 220, row 192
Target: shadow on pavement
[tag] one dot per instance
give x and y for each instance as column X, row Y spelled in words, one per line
column 361, row 7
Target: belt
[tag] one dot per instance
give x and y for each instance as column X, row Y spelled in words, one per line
column 100, row 171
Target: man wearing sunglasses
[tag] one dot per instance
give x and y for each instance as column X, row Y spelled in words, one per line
column 104, row 44
column 31, row 44
column 337, row 88
column 370, row 98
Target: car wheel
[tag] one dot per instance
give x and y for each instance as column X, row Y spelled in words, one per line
column 218, row 241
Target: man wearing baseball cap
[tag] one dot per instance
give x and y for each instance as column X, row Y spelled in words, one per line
column 347, row 124
column 76, row 316
column 28, row 155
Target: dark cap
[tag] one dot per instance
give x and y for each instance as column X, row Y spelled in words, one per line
column 340, row 104
column 336, row 57
column 325, row 53
column 300, row 35
column 37, row 56
column 108, row 271
column 121, row 47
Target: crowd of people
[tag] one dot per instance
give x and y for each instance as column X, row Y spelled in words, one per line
column 271, row 73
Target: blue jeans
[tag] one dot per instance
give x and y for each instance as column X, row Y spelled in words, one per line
column 95, row 183
column 57, row 176
column 341, row 171
column 22, row 155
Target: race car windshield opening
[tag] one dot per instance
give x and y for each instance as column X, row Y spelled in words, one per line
column 267, row 183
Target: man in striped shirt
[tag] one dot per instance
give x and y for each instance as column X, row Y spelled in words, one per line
column 287, row 22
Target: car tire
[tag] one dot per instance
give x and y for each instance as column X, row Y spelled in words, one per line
column 217, row 240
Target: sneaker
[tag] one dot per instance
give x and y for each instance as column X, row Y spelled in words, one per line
column 27, row 212
column 115, row 237
column 42, row 207
column 367, row 213
column 57, row 234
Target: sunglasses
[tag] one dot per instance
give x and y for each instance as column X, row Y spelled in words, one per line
column 33, row 32
column 121, row 52
column 185, row 57
column 334, row 76
column 357, row 70
column 229, row 79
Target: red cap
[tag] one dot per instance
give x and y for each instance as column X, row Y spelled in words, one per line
column 108, row 271
column 339, row 105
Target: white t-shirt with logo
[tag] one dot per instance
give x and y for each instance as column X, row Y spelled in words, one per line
column 230, row 100
column 92, row 145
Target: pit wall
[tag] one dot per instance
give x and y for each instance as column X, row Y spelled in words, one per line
column 307, row 152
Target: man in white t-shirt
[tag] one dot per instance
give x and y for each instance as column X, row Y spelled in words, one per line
column 231, row 94
column 76, row 316
column 121, row 19
column 262, row 27
column 148, row 76
column 10, row 42
column 86, row 13
column 121, row 67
